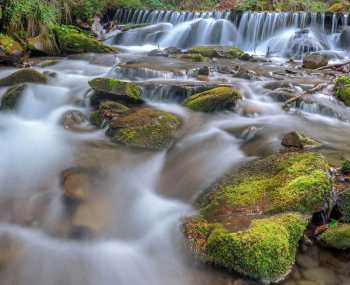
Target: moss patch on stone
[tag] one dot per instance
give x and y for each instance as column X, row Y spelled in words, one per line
column 72, row 40
column 144, row 128
column 107, row 111
column 11, row 97
column 192, row 57
column 217, row 99
column 251, row 220
column 112, row 89
column 343, row 203
column 9, row 46
column 337, row 237
column 24, row 76
column 342, row 89
column 218, row 52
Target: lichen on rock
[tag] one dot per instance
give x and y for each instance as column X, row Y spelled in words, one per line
column 217, row 99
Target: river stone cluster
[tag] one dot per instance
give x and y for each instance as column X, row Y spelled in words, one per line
column 119, row 107
column 251, row 221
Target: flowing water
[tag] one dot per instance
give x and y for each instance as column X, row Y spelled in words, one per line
column 140, row 197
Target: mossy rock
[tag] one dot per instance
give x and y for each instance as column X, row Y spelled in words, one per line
column 72, row 40
column 342, row 89
column 337, row 237
column 115, row 90
column 218, row 52
column 24, row 76
column 11, row 97
column 195, row 57
column 299, row 141
column 213, row 100
column 145, row 128
column 250, row 221
column 10, row 47
column 343, row 203
column 265, row 250
column 107, row 111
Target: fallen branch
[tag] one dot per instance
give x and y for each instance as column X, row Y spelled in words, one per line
column 335, row 65
column 317, row 87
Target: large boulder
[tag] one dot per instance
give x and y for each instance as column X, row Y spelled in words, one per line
column 314, row 61
column 219, row 52
column 342, row 89
column 12, row 97
column 144, row 127
column 217, row 99
column 72, row 40
column 251, row 221
column 27, row 75
column 10, row 50
column 43, row 44
column 115, row 90
column 337, row 237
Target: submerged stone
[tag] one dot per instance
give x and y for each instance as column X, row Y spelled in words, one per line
column 217, row 99
column 251, row 221
column 72, row 40
column 11, row 97
column 342, row 89
column 337, row 237
column 115, row 90
column 27, row 75
column 144, row 127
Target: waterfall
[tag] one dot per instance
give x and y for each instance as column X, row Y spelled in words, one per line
column 290, row 34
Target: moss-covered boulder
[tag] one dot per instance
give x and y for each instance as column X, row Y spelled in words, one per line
column 144, row 127
column 342, row 89
column 27, row 75
column 213, row 100
column 72, row 40
column 195, row 57
column 107, row 111
column 10, row 50
column 115, row 90
column 218, row 52
column 251, row 220
column 337, row 237
column 314, row 61
column 11, row 97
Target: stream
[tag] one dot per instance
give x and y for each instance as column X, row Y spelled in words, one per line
column 129, row 229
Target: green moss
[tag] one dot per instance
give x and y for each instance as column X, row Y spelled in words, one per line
column 24, row 76
column 219, row 52
column 284, row 182
column 144, row 128
column 73, row 41
column 337, row 237
column 343, row 203
column 265, row 250
column 106, row 112
column 345, row 168
column 11, row 98
column 112, row 89
column 342, row 89
column 10, row 46
column 217, row 99
column 192, row 57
